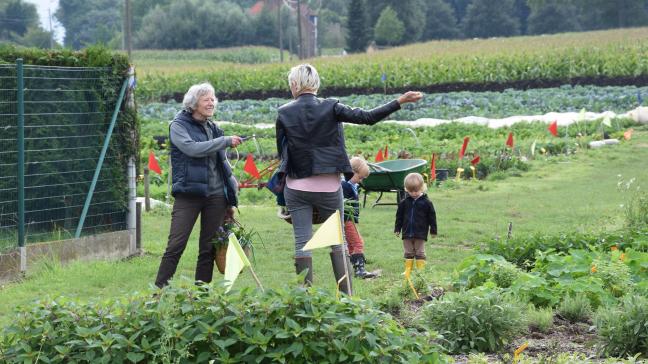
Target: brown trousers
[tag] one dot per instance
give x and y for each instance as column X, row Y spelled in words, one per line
column 186, row 209
column 414, row 248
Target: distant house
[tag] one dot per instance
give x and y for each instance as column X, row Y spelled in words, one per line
column 308, row 22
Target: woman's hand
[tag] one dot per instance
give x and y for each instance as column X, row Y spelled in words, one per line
column 410, row 96
column 236, row 141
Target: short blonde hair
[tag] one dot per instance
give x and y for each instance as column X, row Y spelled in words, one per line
column 359, row 166
column 414, row 182
column 305, row 78
column 195, row 92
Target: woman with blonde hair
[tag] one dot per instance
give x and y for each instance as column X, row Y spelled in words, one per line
column 310, row 141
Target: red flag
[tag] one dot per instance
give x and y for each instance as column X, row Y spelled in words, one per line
column 153, row 164
column 475, row 161
column 250, row 167
column 463, row 147
column 553, row 128
column 433, row 168
column 509, row 141
column 379, row 156
column 386, row 154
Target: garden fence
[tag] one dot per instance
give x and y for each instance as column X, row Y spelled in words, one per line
column 54, row 122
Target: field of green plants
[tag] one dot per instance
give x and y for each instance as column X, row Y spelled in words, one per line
column 451, row 105
column 467, row 64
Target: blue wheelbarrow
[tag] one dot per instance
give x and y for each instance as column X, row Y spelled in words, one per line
column 388, row 176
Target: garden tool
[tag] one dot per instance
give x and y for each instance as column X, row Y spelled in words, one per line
column 340, row 264
column 302, row 264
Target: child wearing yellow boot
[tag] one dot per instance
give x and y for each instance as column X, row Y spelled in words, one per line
column 414, row 217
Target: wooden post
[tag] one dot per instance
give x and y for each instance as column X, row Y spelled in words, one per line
column 510, row 230
column 147, row 197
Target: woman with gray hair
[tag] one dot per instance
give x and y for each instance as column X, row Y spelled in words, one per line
column 202, row 182
column 310, row 141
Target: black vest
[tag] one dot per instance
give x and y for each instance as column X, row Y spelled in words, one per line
column 190, row 175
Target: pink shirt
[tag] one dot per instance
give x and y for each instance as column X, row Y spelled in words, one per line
column 318, row 183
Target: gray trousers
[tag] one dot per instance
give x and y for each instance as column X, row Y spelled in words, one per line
column 300, row 206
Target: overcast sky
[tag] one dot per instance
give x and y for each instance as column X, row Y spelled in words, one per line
column 43, row 7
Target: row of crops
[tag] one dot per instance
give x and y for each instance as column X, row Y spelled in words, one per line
column 582, row 57
column 449, row 106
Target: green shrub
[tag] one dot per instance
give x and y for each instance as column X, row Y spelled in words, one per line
column 191, row 324
column 636, row 210
column 540, row 319
column 504, row 273
column 475, row 322
column 614, row 274
column 575, row 308
column 623, row 329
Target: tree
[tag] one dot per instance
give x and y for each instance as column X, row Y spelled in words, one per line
column 521, row 10
column 17, row 17
column 187, row 24
column 359, row 35
column 484, row 20
column 410, row 12
column 90, row 21
column 552, row 16
column 460, row 7
column 605, row 14
column 389, row 29
column 440, row 21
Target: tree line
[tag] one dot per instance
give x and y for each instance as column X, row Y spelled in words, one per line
column 349, row 24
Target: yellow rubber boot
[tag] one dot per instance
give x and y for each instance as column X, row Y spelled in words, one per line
column 409, row 264
column 420, row 264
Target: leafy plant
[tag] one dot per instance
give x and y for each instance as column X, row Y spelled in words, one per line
column 504, row 273
column 623, row 329
column 475, row 322
column 201, row 324
column 614, row 273
column 540, row 319
column 575, row 308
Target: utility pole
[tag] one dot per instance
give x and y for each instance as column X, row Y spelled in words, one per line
column 281, row 57
column 299, row 30
column 126, row 28
column 49, row 13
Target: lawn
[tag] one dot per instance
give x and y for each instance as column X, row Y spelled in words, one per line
column 578, row 193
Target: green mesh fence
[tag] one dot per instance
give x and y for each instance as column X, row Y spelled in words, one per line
column 67, row 114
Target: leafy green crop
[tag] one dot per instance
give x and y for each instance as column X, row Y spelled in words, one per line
column 191, row 324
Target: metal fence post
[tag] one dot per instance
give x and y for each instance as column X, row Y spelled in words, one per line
column 132, row 207
column 20, row 86
column 102, row 155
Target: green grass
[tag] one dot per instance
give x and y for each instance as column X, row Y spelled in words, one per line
column 579, row 193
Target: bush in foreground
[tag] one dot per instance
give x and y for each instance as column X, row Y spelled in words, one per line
column 623, row 329
column 188, row 324
column 472, row 321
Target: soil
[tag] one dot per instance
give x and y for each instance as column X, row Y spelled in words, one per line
column 562, row 337
column 430, row 89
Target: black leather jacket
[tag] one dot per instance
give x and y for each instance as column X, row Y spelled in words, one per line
column 311, row 137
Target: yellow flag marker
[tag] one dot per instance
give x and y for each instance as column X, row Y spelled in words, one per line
column 235, row 261
column 606, row 121
column 329, row 233
column 459, row 170
column 518, row 351
column 473, row 169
